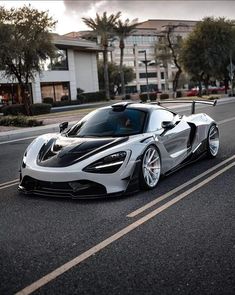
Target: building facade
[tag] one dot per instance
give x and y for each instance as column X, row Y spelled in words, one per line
column 144, row 39
column 75, row 66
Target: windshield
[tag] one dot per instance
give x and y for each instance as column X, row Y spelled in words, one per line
column 107, row 122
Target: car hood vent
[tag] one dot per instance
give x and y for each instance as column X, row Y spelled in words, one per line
column 64, row 151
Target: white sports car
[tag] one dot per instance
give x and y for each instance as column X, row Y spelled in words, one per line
column 114, row 150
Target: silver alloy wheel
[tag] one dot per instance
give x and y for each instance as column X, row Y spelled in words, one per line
column 151, row 167
column 213, row 140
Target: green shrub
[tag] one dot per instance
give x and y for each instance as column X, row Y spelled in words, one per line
column 61, row 103
column 40, row 108
column 127, row 97
column 80, row 98
column 48, row 100
column 143, row 97
column 94, row 96
column 164, row 96
column 64, row 98
column 19, row 109
column 19, row 121
column 178, row 93
column 14, row 110
column 91, row 97
column 80, row 90
column 152, row 96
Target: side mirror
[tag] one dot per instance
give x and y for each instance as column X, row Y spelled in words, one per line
column 63, row 126
column 168, row 124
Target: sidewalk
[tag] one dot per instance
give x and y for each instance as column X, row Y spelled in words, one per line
column 52, row 120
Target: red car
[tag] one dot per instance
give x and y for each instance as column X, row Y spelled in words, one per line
column 192, row 92
column 211, row 90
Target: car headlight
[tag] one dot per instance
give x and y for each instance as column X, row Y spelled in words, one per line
column 108, row 164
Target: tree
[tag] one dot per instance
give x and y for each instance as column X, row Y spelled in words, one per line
column 122, row 31
column 205, row 53
column 163, row 56
column 103, row 27
column 25, row 43
column 114, row 76
column 169, row 46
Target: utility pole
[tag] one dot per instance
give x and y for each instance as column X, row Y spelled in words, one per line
column 146, row 70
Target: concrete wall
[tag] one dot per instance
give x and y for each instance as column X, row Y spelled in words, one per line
column 82, row 73
column 86, row 71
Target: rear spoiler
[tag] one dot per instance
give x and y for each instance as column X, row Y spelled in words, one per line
column 194, row 102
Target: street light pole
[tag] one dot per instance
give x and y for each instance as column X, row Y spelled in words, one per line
column 146, row 70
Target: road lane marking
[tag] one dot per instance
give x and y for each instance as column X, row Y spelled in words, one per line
column 177, row 189
column 20, row 139
column 3, row 187
column 8, row 182
column 9, row 185
column 97, row 248
column 226, row 120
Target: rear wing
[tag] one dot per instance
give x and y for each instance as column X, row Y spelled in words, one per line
column 193, row 102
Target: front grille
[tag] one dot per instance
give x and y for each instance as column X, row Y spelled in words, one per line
column 73, row 189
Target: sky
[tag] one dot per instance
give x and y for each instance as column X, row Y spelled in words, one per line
column 69, row 13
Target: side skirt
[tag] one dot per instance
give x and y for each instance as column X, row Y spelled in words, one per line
column 192, row 158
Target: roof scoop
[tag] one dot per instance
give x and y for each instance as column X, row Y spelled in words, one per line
column 120, row 106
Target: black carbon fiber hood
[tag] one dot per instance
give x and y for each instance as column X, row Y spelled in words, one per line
column 65, row 151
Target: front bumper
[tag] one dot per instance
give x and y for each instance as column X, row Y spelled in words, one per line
column 82, row 189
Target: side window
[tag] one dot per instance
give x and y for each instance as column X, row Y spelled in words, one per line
column 156, row 119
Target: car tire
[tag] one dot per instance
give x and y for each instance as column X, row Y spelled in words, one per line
column 150, row 170
column 213, row 142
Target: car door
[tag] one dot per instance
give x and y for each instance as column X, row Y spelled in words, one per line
column 175, row 139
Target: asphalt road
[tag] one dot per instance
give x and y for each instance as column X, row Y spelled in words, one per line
column 173, row 247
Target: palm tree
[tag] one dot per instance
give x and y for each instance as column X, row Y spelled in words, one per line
column 122, row 31
column 163, row 56
column 103, row 27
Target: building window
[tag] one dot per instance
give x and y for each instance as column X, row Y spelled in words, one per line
column 150, row 88
column 129, row 63
column 162, row 76
column 131, row 89
column 10, row 93
column 150, row 75
column 60, row 61
column 59, row 91
column 57, row 63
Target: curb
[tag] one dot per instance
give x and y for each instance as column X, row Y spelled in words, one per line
column 30, row 132
column 82, row 106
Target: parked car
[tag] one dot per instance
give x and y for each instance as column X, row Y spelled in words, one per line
column 211, row 90
column 192, row 92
